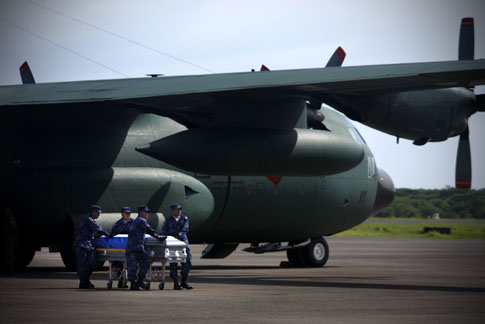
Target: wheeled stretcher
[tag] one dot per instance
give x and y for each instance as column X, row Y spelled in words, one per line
column 113, row 250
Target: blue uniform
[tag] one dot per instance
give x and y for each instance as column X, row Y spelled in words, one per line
column 121, row 227
column 85, row 253
column 179, row 229
column 136, row 255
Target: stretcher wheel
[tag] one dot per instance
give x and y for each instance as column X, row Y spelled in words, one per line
column 161, row 285
column 109, row 285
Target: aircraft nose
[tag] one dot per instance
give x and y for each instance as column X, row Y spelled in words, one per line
column 385, row 191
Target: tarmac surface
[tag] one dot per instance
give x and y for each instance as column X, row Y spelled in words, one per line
column 365, row 281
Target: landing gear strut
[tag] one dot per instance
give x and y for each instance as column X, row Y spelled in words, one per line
column 310, row 253
column 314, row 254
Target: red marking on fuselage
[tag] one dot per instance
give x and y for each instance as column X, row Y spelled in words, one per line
column 274, row 179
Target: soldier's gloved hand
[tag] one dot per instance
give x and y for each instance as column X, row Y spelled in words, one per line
column 111, row 235
column 162, row 238
column 104, row 233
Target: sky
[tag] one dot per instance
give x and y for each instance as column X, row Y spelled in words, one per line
column 66, row 40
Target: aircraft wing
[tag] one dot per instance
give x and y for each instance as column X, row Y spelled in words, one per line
column 180, row 96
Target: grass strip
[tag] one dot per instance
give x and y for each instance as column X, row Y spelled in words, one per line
column 458, row 231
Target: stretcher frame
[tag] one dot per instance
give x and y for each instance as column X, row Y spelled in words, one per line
column 157, row 252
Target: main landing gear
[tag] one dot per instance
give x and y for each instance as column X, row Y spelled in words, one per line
column 310, row 253
column 314, row 254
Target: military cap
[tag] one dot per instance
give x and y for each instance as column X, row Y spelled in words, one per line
column 96, row 208
column 175, row 206
column 143, row 208
column 125, row 210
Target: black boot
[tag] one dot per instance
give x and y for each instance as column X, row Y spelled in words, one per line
column 185, row 285
column 121, row 284
column 176, row 285
column 142, row 285
column 90, row 284
column 134, row 285
column 84, row 284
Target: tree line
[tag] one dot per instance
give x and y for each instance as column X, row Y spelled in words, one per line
column 448, row 203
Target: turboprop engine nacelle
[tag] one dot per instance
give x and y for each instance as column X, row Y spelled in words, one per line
column 244, row 151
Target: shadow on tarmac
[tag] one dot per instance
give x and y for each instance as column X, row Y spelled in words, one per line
column 305, row 282
column 251, row 280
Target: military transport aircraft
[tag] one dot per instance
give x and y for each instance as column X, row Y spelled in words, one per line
column 253, row 157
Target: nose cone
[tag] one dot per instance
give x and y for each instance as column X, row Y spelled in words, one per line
column 385, row 192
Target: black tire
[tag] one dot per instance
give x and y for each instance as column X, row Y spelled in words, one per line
column 68, row 252
column 316, row 253
column 295, row 256
column 23, row 256
column 68, row 256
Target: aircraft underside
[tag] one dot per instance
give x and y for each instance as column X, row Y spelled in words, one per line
column 49, row 201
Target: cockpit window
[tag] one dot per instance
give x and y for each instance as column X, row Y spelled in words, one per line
column 354, row 132
column 360, row 136
column 371, row 167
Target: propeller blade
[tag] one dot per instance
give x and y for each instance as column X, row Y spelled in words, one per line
column 320, row 126
column 480, row 102
column 337, row 58
column 463, row 175
column 466, row 47
column 26, row 74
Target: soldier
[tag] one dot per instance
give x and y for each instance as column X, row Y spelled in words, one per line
column 85, row 253
column 122, row 226
column 9, row 236
column 136, row 255
column 177, row 225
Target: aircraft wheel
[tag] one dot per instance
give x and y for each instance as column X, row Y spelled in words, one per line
column 316, row 253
